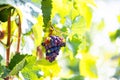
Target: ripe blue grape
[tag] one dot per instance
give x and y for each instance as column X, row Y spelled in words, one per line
column 52, row 46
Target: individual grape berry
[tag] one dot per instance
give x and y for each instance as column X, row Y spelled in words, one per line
column 51, row 49
column 46, row 47
column 48, row 54
column 49, row 46
column 52, row 45
column 52, row 59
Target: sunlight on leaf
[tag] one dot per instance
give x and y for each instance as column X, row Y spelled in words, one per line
column 38, row 31
column 30, row 69
column 49, row 68
column 114, row 35
column 88, row 66
column 101, row 25
column 62, row 9
column 118, row 18
column 78, row 26
column 86, row 13
column 92, row 2
column 14, row 27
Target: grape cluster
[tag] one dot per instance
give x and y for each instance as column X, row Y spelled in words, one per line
column 52, row 46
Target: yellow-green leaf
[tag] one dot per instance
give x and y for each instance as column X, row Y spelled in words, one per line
column 92, row 2
column 101, row 25
column 63, row 9
column 86, row 13
column 48, row 68
column 118, row 18
column 88, row 66
column 37, row 31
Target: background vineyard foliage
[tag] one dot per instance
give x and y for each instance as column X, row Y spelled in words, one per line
column 71, row 19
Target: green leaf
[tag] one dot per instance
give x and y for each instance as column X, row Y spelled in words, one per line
column 85, row 11
column 29, row 74
column 45, row 62
column 30, row 71
column 1, row 58
column 101, row 25
column 118, row 18
column 28, row 33
column 46, row 10
column 3, row 6
column 5, row 71
column 91, row 2
column 30, row 61
column 37, row 30
column 37, row 1
column 16, row 64
column 76, row 19
column 73, row 43
column 76, row 77
column 49, row 68
column 4, row 13
column 87, row 66
column 1, row 79
column 1, row 70
column 114, row 35
column 18, row 67
column 74, row 66
column 78, row 25
column 15, row 60
column 117, row 73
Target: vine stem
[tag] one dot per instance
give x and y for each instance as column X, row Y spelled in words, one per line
column 19, row 33
column 39, row 53
column 8, row 40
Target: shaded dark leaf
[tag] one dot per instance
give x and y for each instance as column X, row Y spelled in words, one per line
column 15, row 60
column 0, row 58
column 46, row 10
column 5, row 71
column 4, row 13
column 18, row 67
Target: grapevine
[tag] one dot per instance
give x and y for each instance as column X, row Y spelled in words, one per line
column 2, row 34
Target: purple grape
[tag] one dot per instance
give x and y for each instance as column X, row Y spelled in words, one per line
column 53, row 37
column 52, row 59
column 52, row 44
column 46, row 47
column 57, row 53
column 49, row 46
column 49, row 54
column 52, row 47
